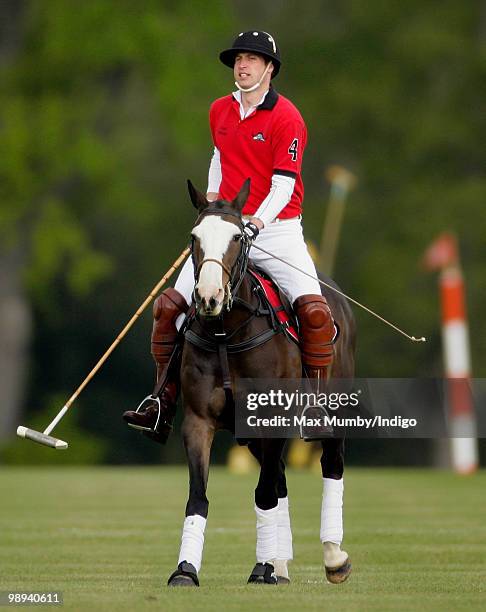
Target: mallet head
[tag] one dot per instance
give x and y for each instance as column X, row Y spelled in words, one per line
column 41, row 438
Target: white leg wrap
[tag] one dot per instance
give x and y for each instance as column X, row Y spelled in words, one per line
column 193, row 540
column 267, row 534
column 284, row 532
column 281, row 568
column 333, row 555
column 332, row 511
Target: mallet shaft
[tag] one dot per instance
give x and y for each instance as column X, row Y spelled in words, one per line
column 56, row 420
column 124, row 331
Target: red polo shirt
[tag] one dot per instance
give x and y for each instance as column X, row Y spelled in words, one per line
column 269, row 141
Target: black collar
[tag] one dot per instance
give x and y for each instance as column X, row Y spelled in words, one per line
column 270, row 100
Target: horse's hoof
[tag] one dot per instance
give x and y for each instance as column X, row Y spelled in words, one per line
column 184, row 576
column 182, row 581
column 336, row 575
column 282, row 580
column 263, row 573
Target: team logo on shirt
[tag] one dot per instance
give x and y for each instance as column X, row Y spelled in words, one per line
column 259, row 136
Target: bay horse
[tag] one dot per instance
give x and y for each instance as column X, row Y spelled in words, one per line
column 227, row 316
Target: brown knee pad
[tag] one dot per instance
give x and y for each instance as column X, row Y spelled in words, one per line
column 316, row 330
column 167, row 307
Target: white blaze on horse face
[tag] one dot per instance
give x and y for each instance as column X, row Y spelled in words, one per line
column 214, row 235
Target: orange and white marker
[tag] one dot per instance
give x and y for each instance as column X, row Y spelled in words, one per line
column 443, row 254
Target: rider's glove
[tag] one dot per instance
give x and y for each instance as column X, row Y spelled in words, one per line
column 251, row 230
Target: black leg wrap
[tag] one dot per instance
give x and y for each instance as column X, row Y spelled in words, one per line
column 263, row 573
column 185, row 575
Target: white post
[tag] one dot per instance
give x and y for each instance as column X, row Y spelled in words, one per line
column 342, row 181
column 457, row 362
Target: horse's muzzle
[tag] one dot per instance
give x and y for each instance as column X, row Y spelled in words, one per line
column 208, row 306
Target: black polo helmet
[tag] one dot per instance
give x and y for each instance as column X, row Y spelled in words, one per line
column 254, row 41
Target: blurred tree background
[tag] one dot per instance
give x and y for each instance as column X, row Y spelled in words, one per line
column 103, row 116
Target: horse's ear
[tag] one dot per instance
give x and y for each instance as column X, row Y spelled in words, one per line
column 242, row 197
column 197, row 198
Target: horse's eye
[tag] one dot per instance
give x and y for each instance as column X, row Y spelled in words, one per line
column 237, row 237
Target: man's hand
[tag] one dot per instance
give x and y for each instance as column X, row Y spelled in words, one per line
column 253, row 227
column 211, row 196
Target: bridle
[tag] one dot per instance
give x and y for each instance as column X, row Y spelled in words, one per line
column 237, row 272
column 211, row 335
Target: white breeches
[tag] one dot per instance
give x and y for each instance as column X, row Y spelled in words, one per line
column 286, row 240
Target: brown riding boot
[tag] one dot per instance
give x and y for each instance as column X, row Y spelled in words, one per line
column 316, row 331
column 156, row 413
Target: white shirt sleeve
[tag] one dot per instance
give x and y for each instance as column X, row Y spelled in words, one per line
column 277, row 199
column 214, row 176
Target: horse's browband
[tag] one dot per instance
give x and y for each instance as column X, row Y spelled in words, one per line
column 221, row 211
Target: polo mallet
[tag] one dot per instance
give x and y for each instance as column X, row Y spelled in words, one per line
column 44, row 437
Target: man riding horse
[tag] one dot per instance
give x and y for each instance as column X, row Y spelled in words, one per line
column 257, row 134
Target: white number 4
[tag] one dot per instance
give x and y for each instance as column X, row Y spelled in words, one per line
column 293, row 149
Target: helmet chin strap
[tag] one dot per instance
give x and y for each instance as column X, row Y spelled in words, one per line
column 257, row 85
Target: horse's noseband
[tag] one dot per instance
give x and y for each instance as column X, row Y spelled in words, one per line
column 219, row 262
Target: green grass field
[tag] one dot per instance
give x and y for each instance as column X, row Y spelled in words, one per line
column 109, row 538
